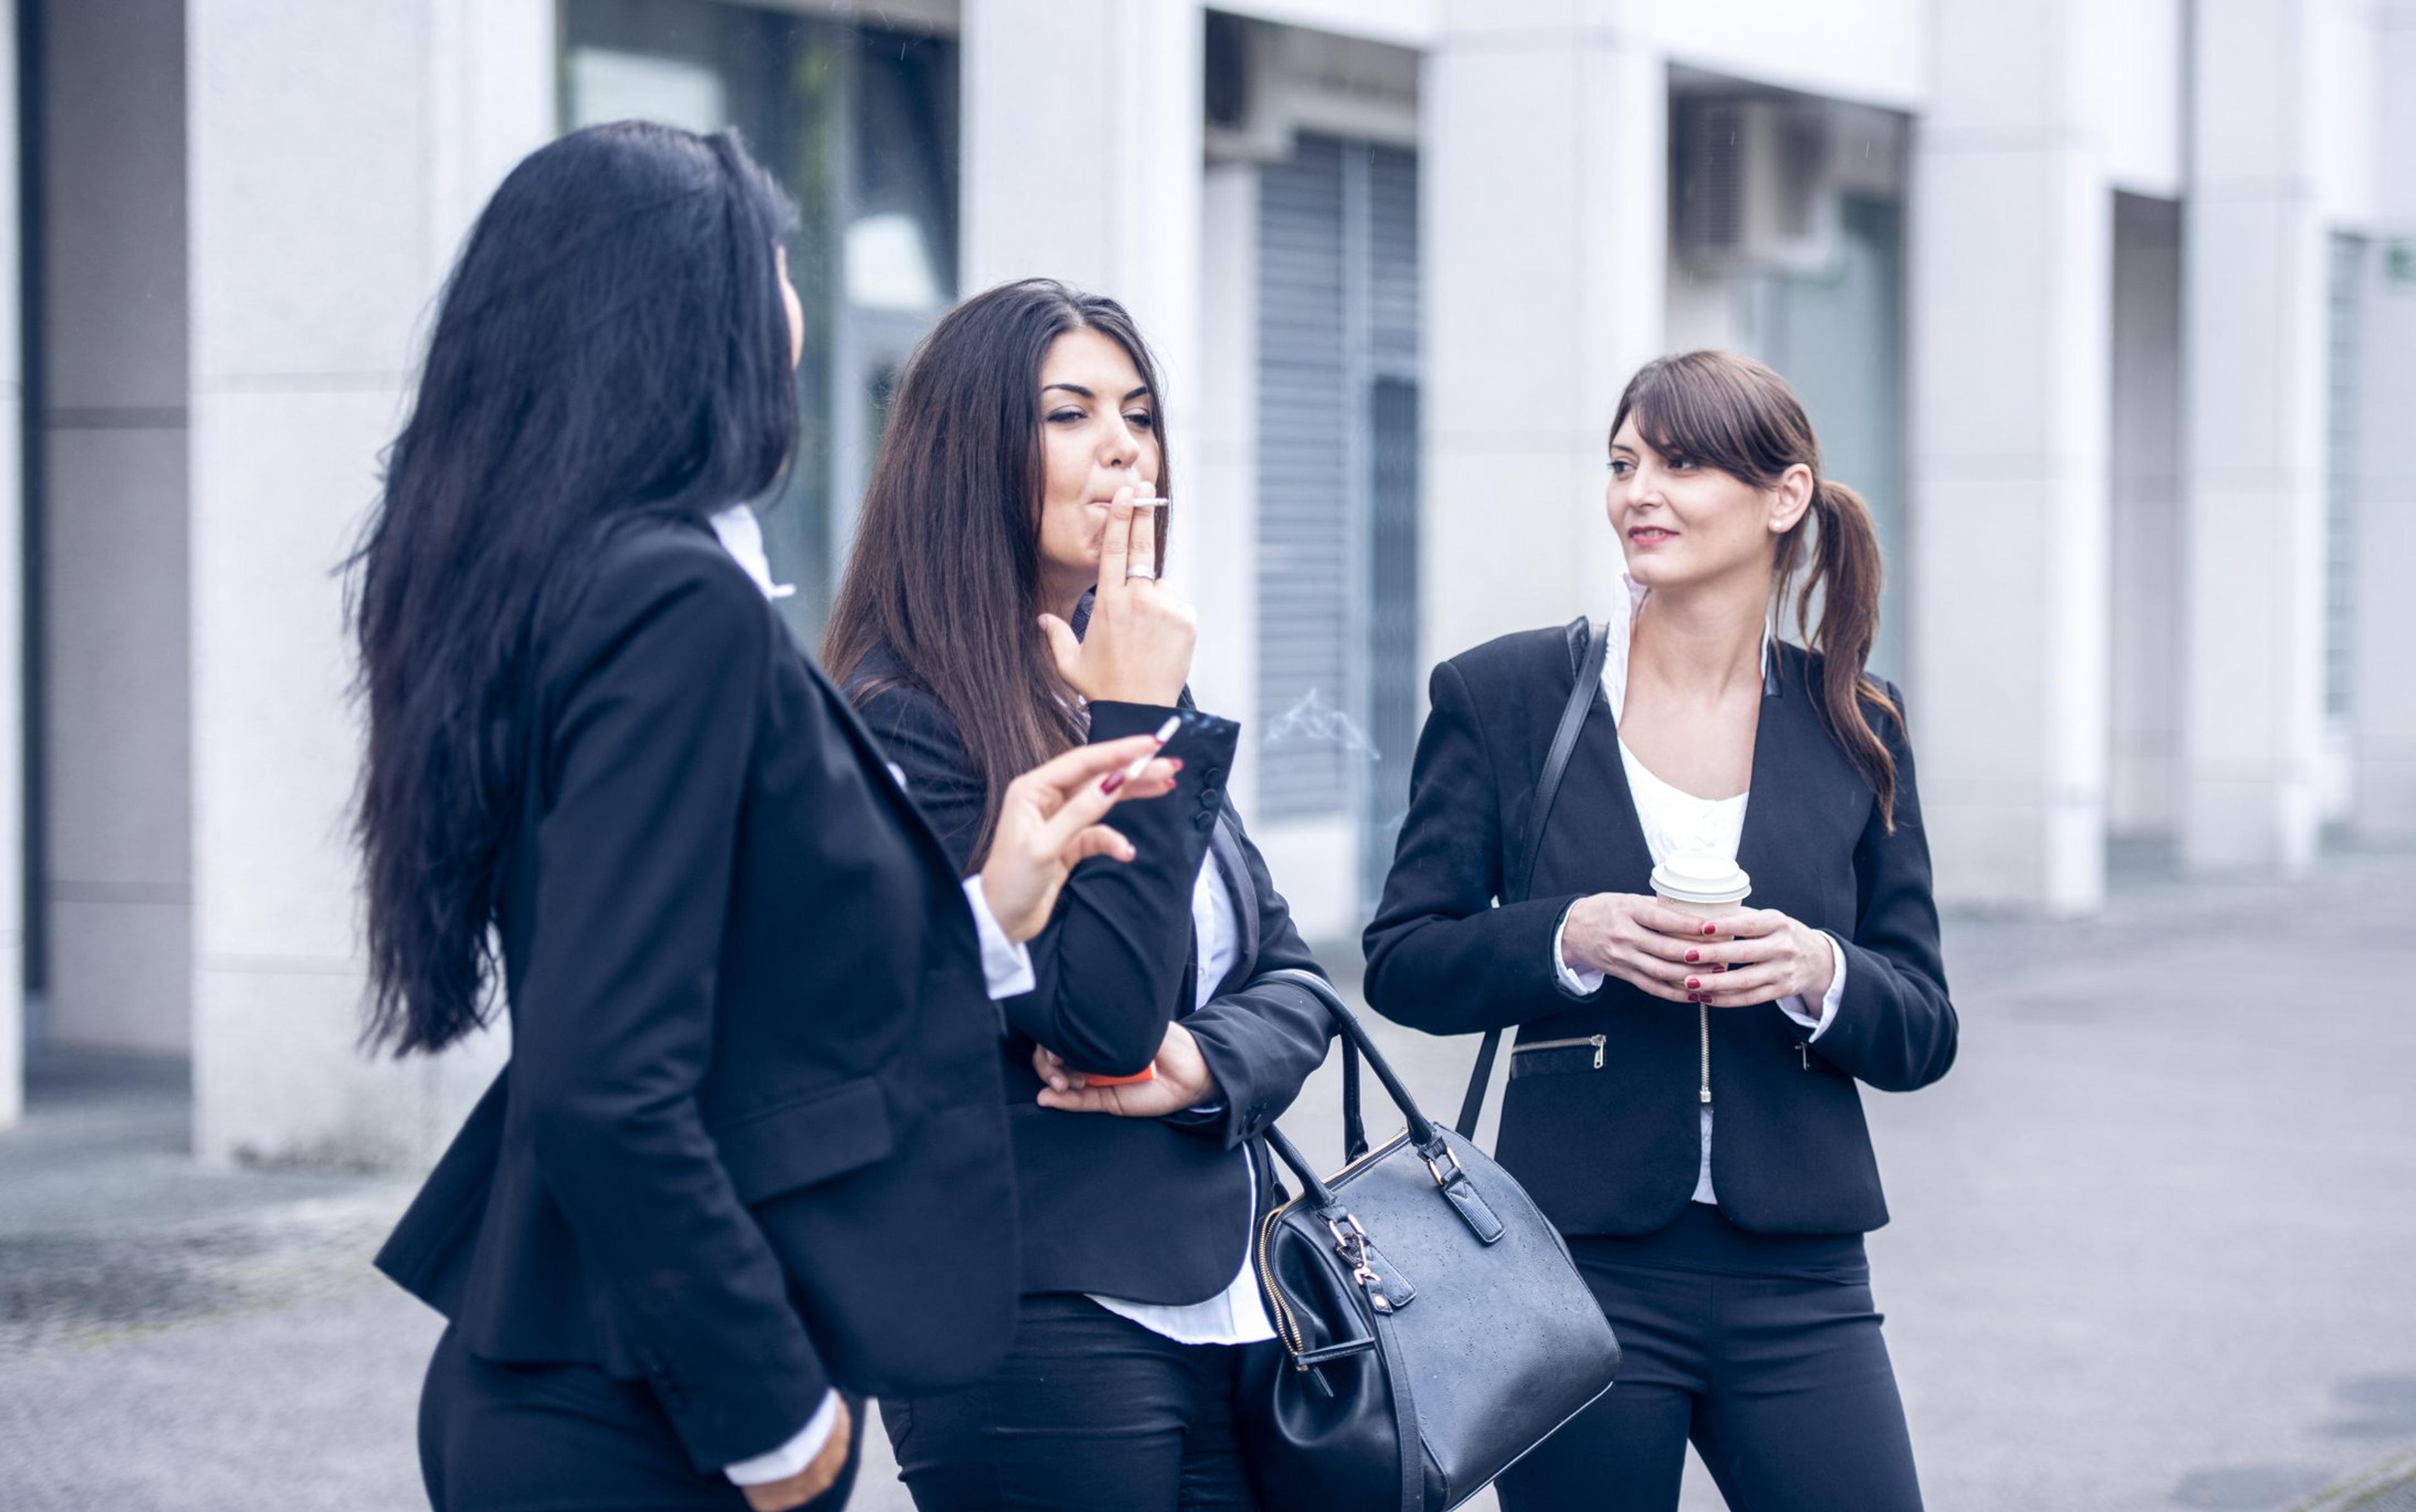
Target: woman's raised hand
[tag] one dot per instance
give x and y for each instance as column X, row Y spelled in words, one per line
column 1048, row 823
column 1136, row 648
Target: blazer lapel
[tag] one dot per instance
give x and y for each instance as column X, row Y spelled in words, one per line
column 1592, row 841
column 1789, row 748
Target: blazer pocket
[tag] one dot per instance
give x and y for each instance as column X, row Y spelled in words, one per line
column 825, row 1133
column 1557, row 1057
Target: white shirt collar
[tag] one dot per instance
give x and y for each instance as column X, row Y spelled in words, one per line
column 741, row 536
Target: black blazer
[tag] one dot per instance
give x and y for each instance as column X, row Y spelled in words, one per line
column 747, row 1143
column 1150, row 1210
column 1616, row 1150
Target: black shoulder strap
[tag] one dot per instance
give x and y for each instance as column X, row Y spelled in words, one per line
column 1589, row 645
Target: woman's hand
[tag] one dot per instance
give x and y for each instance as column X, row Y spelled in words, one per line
column 1768, row 958
column 1640, row 940
column 1136, row 648
column 1183, row 1081
column 1048, row 823
column 810, row 1482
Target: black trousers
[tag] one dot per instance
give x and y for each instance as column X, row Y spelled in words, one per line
column 1763, row 1349
column 1091, row 1412
column 563, row 1438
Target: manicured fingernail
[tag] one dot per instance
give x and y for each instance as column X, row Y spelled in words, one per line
column 1174, row 763
column 1115, row 780
column 1693, row 956
column 1710, row 929
column 1694, row 997
column 1693, row 981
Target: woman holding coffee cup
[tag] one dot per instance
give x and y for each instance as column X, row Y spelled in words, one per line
column 1004, row 599
column 1730, row 924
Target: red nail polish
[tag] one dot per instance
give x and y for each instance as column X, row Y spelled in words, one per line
column 1693, row 981
column 1115, row 780
column 1175, row 762
column 1710, row 929
column 1693, row 956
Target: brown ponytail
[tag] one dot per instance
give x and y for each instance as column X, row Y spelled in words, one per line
column 1845, row 575
column 1740, row 416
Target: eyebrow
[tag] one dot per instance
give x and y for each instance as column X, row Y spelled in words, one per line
column 1142, row 392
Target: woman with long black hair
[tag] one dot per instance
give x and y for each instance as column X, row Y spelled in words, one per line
column 1731, row 1267
column 747, row 1149
column 1005, row 601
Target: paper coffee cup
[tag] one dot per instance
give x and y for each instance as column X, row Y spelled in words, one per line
column 1702, row 882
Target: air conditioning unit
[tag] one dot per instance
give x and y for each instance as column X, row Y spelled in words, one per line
column 1751, row 188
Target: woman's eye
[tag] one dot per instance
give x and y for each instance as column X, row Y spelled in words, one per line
column 1682, row 463
column 1620, row 467
column 1065, row 416
column 1141, row 420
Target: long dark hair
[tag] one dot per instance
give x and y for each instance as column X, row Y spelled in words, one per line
column 1738, row 416
column 946, row 564
column 610, row 344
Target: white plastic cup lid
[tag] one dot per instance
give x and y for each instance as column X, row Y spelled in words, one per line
column 1700, row 877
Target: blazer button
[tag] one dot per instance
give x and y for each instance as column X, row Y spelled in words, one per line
column 1212, row 776
column 1204, row 819
column 1211, row 797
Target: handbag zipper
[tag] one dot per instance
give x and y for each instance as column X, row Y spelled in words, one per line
column 1285, row 1324
column 1593, row 1040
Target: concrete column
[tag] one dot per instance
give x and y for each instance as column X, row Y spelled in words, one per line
column 2254, row 260
column 2383, row 701
column 1215, row 558
column 117, row 907
column 1082, row 136
column 1544, row 205
column 12, row 730
column 337, row 154
column 2011, row 245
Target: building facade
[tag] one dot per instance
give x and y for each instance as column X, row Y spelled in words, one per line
column 2109, row 309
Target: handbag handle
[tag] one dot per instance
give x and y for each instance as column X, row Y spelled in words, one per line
column 1355, row 1044
column 1590, row 656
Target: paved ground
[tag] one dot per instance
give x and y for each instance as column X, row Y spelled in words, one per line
column 2153, row 1244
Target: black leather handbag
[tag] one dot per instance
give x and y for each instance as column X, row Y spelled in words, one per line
column 1434, row 1326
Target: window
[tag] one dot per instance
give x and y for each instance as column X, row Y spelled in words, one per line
column 859, row 124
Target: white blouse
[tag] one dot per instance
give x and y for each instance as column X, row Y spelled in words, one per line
column 1674, row 820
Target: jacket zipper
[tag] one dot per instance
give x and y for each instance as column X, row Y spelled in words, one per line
column 1705, row 1009
column 1593, row 1040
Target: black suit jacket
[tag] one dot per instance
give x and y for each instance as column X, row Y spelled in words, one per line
column 1617, row 1150
column 1150, row 1210
column 747, row 1144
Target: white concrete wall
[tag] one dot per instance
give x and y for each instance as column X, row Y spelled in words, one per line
column 2010, row 260
column 1081, row 142
column 2255, row 261
column 1216, row 560
column 117, row 809
column 337, row 154
column 1544, row 194
column 2128, row 61
column 12, row 733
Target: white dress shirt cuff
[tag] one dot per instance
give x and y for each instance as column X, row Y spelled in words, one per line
column 1580, row 983
column 1817, row 1017
column 1007, row 966
column 794, row 1455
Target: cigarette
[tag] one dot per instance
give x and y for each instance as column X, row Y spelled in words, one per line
column 1147, row 503
column 1140, row 763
